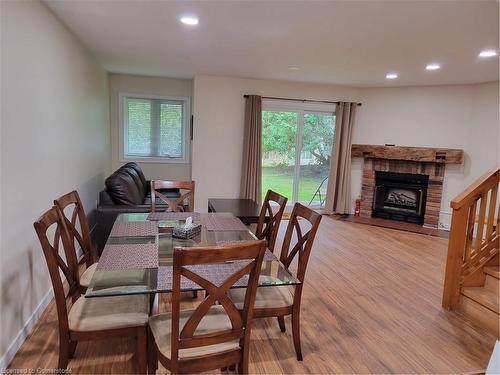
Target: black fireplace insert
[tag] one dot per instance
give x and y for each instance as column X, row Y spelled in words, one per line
column 400, row 196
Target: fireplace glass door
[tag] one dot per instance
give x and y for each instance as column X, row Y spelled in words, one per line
column 400, row 196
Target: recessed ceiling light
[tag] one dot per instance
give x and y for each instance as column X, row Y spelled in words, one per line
column 293, row 67
column 488, row 53
column 190, row 21
column 391, row 76
column 433, row 67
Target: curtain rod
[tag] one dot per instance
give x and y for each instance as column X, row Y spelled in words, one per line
column 300, row 100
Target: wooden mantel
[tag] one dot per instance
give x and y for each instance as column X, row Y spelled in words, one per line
column 418, row 154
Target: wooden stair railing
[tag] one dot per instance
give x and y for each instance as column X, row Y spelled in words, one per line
column 474, row 236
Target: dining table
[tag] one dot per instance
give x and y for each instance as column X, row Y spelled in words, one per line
column 138, row 255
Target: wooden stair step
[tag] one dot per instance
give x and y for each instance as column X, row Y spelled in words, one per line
column 483, row 296
column 492, row 271
column 492, row 283
column 480, row 314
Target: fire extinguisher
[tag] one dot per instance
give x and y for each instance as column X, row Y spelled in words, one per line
column 357, row 207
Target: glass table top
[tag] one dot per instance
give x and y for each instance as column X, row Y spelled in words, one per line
column 136, row 261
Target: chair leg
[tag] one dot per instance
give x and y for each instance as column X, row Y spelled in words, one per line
column 141, row 350
column 228, row 368
column 154, row 304
column 195, row 294
column 152, row 355
column 281, row 322
column 63, row 352
column 243, row 365
column 71, row 348
column 241, row 368
column 296, row 332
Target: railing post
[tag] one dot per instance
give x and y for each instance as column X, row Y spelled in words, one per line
column 456, row 246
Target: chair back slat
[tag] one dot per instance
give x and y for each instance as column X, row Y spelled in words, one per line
column 187, row 263
column 268, row 230
column 78, row 220
column 177, row 204
column 304, row 242
column 55, row 263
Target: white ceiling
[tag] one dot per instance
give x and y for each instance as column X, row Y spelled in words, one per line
column 338, row 42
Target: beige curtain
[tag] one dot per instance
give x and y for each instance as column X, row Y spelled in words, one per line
column 252, row 141
column 338, row 194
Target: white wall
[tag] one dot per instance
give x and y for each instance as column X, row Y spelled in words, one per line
column 54, row 138
column 462, row 116
column 132, row 84
column 219, row 110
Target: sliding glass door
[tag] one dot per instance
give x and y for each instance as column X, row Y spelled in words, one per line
column 314, row 166
column 297, row 142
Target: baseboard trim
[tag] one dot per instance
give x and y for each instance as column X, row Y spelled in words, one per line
column 14, row 346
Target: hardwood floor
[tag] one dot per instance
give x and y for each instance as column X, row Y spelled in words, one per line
column 371, row 304
column 393, row 224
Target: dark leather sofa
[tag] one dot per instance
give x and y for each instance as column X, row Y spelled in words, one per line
column 127, row 190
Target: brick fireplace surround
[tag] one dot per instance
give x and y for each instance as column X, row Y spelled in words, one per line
column 414, row 160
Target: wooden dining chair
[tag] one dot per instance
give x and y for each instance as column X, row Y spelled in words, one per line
column 177, row 205
column 268, row 229
column 79, row 232
column 86, row 318
column 213, row 335
column 281, row 301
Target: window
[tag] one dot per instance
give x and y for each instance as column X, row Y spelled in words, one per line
column 154, row 129
column 297, row 141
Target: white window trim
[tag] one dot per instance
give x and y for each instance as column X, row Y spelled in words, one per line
column 123, row 131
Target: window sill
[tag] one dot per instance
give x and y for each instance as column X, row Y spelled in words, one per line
column 152, row 159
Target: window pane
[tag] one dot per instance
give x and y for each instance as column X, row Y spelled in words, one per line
column 139, row 127
column 279, row 130
column 317, row 141
column 171, row 129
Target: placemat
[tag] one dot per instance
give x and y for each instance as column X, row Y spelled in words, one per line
column 130, row 256
column 218, row 223
column 158, row 216
column 215, row 273
column 134, row 228
column 268, row 255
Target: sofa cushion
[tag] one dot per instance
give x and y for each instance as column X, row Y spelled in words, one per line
column 135, row 176
column 105, row 199
column 138, row 169
column 123, row 189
